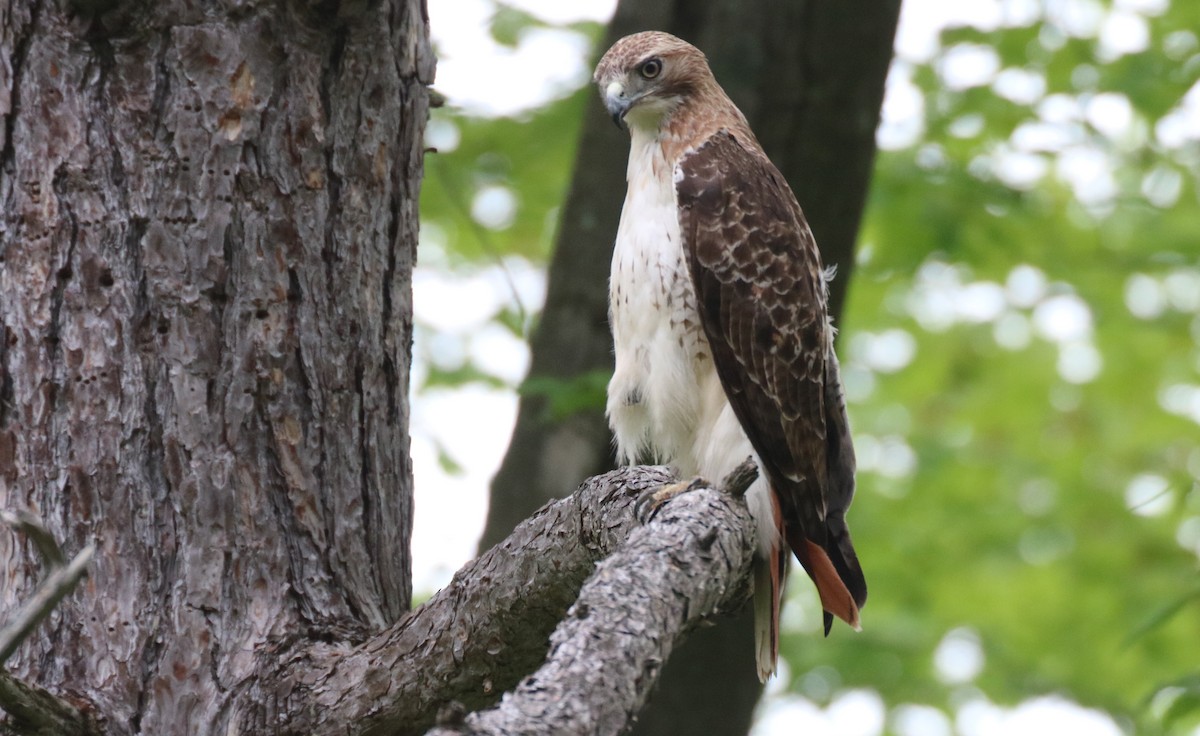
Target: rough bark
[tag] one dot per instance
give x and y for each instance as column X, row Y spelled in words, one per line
column 691, row 561
column 205, row 253
column 809, row 74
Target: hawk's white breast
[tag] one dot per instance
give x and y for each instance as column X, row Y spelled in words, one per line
column 665, row 401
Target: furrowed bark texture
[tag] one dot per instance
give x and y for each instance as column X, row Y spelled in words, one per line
column 209, row 224
column 690, row 561
column 809, row 74
column 475, row 638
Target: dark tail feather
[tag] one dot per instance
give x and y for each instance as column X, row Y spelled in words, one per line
column 841, row 552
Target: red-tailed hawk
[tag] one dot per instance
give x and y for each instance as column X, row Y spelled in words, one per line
column 723, row 345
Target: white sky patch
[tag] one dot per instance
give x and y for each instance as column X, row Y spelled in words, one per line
column 494, row 206
column 1046, row 716
column 1019, row 170
column 852, row 713
column 1145, row 7
column 858, row 382
column 931, row 299
column 483, row 77
column 498, row 352
column 452, row 302
column 1012, row 331
column 1179, row 45
column 981, row 301
column 920, row 720
column 1040, row 137
column 968, row 65
column 1182, row 124
column 1025, row 285
column 1089, row 172
column 939, row 299
column 463, row 302
column 442, row 134
column 1110, row 113
column 1188, row 534
column 958, row 657
column 931, row 157
column 966, row 126
column 453, row 312
column 563, row 13
column 1078, row 18
column 1063, row 318
column 439, row 549
column 1162, row 186
column 885, row 352
column 1149, row 494
column 922, row 20
column 1085, row 77
column 890, row 456
column 1051, row 37
column 902, row 118
column 1182, row 399
column 1079, row 362
column 1183, row 289
column 1022, row 86
column 1144, row 296
column 1123, row 33
column 1060, row 108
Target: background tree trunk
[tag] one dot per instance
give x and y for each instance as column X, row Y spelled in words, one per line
column 809, row 74
column 205, row 263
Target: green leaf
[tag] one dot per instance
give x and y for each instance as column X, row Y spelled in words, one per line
column 508, row 23
column 568, row 396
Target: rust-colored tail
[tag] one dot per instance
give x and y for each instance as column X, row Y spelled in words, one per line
column 835, row 596
column 834, row 570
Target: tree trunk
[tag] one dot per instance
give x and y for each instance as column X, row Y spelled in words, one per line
column 809, row 74
column 210, row 218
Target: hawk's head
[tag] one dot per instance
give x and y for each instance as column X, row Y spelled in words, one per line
column 644, row 77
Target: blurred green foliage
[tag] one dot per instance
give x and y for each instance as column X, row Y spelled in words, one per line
column 1022, row 352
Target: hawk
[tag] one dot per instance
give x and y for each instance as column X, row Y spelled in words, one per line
column 723, row 347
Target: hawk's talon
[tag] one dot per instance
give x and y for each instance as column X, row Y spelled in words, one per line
column 648, row 505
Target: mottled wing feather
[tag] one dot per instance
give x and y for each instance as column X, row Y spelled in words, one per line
column 761, row 296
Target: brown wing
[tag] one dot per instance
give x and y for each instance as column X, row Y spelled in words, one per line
column 761, row 296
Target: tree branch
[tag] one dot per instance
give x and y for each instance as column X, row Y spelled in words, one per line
column 60, row 582
column 477, row 637
column 691, row 561
column 33, row 710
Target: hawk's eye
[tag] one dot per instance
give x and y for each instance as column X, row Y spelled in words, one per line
column 651, row 68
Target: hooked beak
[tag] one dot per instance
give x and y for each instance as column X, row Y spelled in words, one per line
column 617, row 102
